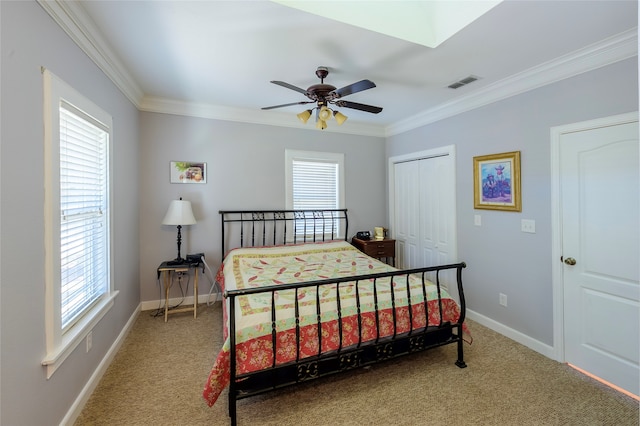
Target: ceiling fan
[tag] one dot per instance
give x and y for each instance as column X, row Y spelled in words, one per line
column 325, row 94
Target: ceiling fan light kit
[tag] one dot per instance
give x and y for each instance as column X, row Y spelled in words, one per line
column 325, row 94
column 325, row 114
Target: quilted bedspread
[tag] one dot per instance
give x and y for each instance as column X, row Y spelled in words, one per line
column 268, row 266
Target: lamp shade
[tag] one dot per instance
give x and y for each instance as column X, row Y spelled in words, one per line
column 340, row 117
column 304, row 115
column 179, row 213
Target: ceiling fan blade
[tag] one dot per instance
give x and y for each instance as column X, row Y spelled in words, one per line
column 354, row 88
column 286, row 105
column 290, row 86
column 361, row 107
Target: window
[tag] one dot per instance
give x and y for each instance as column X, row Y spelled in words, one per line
column 79, row 289
column 83, row 207
column 315, row 180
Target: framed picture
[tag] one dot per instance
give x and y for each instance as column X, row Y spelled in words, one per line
column 496, row 182
column 187, row 172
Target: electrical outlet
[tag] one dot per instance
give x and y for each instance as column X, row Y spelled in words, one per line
column 503, row 300
column 89, row 340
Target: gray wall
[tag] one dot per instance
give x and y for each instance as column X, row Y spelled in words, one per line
column 30, row 39
column 500, row 258
column 246, row 169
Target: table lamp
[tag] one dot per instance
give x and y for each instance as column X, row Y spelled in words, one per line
column 179, row 214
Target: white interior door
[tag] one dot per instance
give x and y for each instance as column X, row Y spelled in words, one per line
column 599, row 191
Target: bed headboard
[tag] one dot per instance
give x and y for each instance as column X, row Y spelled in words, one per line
column 251, row 228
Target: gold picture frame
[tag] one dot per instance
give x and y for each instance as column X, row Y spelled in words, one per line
column 496, row 182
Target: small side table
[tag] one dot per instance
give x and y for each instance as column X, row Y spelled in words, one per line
column 380, row 249
column 166, row 271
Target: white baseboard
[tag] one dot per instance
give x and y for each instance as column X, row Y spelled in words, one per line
column 519, row 337
column 151, row 305
column 88, row 389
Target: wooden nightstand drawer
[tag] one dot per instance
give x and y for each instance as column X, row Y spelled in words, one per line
column 384, row 248
column 377, row 248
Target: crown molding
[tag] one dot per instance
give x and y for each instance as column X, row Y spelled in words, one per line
column 245, row 115
column 605, row 52
column 72, row 18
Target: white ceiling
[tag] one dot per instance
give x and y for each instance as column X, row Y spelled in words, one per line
column 216, row 58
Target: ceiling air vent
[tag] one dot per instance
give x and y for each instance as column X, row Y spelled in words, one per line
column 463, row 82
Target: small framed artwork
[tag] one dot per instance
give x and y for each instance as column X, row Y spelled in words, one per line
column 496, row 182
column 188, row 172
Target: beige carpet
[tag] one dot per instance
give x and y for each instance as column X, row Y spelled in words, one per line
column 158, row 376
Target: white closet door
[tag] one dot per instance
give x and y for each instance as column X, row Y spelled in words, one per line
column 436, row 192
column 424, row 211
column 407, row 212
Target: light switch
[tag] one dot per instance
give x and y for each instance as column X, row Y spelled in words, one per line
column 528, row 225
column 477, row 220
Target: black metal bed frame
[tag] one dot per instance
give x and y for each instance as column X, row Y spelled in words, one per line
column 263, row 229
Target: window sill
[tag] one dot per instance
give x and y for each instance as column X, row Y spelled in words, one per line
column 72, row 338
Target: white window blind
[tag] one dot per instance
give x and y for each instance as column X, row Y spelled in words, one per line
column 315, row 185
column 84, row 268
column 315, row 181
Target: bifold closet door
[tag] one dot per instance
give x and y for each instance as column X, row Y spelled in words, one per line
column 424, row 212
column 437, row 220
column 407, row 214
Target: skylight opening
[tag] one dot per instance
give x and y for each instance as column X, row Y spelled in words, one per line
column 428, row 23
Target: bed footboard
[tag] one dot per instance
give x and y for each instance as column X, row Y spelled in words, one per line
column 350, row 354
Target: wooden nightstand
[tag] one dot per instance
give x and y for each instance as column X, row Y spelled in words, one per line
column 380, row 249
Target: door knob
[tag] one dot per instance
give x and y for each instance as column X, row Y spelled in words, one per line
column 570, row 261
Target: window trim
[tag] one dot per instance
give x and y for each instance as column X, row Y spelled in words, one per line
column 60, row 344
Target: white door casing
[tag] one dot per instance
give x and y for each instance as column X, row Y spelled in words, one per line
column 596, row 223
